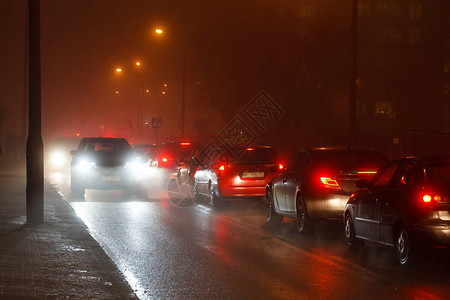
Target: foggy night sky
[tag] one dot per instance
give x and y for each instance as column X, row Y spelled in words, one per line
column 82, row 42
column 233, row 49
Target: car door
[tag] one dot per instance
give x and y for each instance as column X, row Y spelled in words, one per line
column 392, row 202
column 367, row 220
column 279, row 186
column 292, row 181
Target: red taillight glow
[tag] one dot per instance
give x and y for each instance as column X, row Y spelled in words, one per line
column 185, row 144
column 330, row 182
column 222, row 168
column 250, row 149
column 280, row 167
column 367, row 172
column 426, row 198
column 164, row 159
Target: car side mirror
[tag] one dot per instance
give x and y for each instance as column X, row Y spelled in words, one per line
column 73, row 152
column 362, row 183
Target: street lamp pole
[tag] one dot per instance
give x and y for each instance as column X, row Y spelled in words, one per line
column 140, row 117
column 183, row 80
column 183, row 95
column 34, row 147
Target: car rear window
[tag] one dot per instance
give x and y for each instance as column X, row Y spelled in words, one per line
column 349, row 159
column 177, row 152
column 439, row 174
column 256, row 155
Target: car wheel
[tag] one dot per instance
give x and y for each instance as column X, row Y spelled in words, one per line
column 76, row 187
column 303, row 221
column 350, row 236
column 403, row 246
column 271, row 216
column 213, row 198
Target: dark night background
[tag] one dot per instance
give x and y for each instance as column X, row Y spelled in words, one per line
column 297, row 51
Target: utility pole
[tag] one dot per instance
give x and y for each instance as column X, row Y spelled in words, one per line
column 35, row 148
column 352, row 117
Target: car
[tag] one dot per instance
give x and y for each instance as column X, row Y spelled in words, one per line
column 316, row 184
column 406, row 206
column 243, row 175
column 168, row 158
column 58, row 153
column 104, row 163
column 180, row 188
column 145, row 152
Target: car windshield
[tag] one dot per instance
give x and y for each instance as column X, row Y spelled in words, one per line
column 349, row 159
column 107, row 147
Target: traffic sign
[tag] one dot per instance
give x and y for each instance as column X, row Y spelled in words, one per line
column 156, row 122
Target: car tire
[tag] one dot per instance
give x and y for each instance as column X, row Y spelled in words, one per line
column 303, row 221
column 350, row 236
column 76, row 187
column 403, row 246
column 213, row 198
column 271, row 216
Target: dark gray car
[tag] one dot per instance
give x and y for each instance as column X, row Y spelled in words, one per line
column 317, row 183
column 104, row 163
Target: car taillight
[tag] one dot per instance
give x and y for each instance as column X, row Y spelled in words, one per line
column 164, row 159
column 185, row 144
column 330, row 183
column 367, row 172
column 280, row 167
column 427, row 198
column 221, row 172
column 249, row 149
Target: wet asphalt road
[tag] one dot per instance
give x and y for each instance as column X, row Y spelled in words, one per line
column 166, row 251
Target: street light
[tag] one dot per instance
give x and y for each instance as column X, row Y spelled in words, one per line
column 160, row 31
column 140, row 118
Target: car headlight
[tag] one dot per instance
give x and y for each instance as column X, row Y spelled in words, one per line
column 85, row 165
column 138, row 167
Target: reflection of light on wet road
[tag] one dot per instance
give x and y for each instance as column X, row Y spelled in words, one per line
column 57, row 178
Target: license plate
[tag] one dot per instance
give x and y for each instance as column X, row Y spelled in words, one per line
column 111, row 179
column 253, row 175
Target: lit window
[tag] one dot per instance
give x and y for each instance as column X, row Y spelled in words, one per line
column 446, row 88
column 413, row 35
column 363, row 9
column 305, row 11
column 415, row 11
column 389, row 9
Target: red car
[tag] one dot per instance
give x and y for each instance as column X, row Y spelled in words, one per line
column 244, row 175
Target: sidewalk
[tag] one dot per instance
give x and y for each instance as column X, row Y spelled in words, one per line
column 55, row 260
